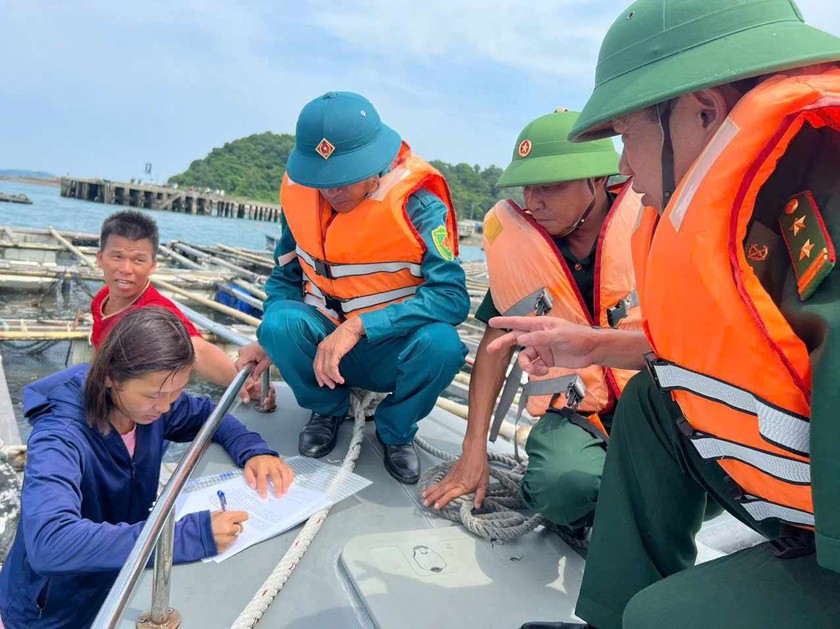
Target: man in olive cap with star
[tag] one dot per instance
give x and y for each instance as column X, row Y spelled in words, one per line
column 368, row 288
column 566, row 256
column 729, row 114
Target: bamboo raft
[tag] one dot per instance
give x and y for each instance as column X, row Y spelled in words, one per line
column 38, row 259
column 193, row 276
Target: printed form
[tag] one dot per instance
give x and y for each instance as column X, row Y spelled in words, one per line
column 266, row 517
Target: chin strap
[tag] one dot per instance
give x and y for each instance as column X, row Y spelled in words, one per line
column 586, row 212
column 663, row 113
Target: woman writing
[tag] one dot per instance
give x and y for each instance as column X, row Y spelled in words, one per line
column 93, row 469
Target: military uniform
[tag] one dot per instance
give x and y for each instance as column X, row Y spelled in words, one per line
column 565, row 452
column 389, row 262
column 565, row 462
column 661, row 470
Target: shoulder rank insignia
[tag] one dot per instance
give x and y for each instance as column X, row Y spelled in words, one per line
column 808, row 242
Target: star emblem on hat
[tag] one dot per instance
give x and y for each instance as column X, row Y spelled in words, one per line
column 805, row 252
column 798, row 225
column 325, row 148
column 524, row 148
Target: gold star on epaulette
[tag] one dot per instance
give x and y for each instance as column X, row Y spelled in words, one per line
column 808, row 242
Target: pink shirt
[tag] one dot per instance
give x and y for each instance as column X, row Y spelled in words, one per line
column 130, row 440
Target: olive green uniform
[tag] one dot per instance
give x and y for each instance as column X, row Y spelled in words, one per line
column 640, row 568
column 565, row 462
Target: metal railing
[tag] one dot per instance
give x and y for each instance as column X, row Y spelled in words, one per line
column 231, row 336
column 160, row 530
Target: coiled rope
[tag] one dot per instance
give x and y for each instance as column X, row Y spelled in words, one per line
column 500, row 516
column 362, row 404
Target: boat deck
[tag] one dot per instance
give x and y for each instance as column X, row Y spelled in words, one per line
column 381, row 559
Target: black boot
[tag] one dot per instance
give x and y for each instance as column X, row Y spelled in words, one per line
column 402, row 461
column 575, row 536
column 319, row 436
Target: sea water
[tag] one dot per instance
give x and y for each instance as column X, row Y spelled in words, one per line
column 26, row 361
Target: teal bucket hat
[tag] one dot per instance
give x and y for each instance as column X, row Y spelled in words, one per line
column 340, row 140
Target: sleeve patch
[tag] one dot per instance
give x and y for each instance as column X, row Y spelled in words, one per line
column 443, row 242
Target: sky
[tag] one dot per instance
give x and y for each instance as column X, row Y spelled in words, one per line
column 101, row 87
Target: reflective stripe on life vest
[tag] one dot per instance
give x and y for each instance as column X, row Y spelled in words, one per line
column 778, row 466
column 782, row 428
column 764, row 510
column 348, row 306
column 335, row 271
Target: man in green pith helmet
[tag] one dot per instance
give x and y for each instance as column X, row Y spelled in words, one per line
column 566, row 256
column 730, row 119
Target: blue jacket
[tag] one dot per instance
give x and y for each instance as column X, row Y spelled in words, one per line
column 442, row 297
column 85, row 500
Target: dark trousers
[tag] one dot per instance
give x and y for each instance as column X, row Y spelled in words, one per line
column 640, row 569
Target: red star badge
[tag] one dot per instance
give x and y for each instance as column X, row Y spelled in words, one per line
column 792, row 206
column 325, row 148
column 524, row 148
column 805, row 252
column 798, row 225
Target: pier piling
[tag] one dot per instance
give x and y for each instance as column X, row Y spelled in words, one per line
column 152, row 197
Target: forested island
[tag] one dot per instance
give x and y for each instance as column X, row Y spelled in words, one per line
column 252, row 168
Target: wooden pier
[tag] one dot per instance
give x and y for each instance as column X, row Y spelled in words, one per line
column 167, row 198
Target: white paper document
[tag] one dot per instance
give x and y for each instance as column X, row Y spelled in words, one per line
column 267, row 517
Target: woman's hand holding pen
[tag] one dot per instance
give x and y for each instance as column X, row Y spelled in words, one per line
column 227, row 525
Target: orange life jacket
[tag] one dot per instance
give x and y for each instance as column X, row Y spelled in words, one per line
column 739, row 373
column 370, row 257
column 524, row 264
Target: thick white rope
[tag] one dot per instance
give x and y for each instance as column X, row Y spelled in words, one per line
column 500, row 516
column 362, row 404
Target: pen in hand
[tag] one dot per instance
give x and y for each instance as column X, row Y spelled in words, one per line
column 222, row 499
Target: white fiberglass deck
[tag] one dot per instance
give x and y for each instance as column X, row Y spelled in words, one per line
column 382, row 560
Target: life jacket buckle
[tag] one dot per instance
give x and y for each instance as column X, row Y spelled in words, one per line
column 792, row 543
column 652, row 361
column 543, row 304
column 575, row 392
column 323, row 269
column 335, row 305
column 617, row 313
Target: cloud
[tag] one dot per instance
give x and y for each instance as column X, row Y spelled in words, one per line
column 557, row 38
column 101, row 87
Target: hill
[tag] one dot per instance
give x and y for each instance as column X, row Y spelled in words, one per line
column 29, row 174
column 252, row 167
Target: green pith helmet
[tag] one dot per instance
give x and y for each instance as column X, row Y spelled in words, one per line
column 660, row 49
column 543, row 155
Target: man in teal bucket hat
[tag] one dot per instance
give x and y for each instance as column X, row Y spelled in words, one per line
column 368, row 287
column 729, row 114
column 570, row 243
